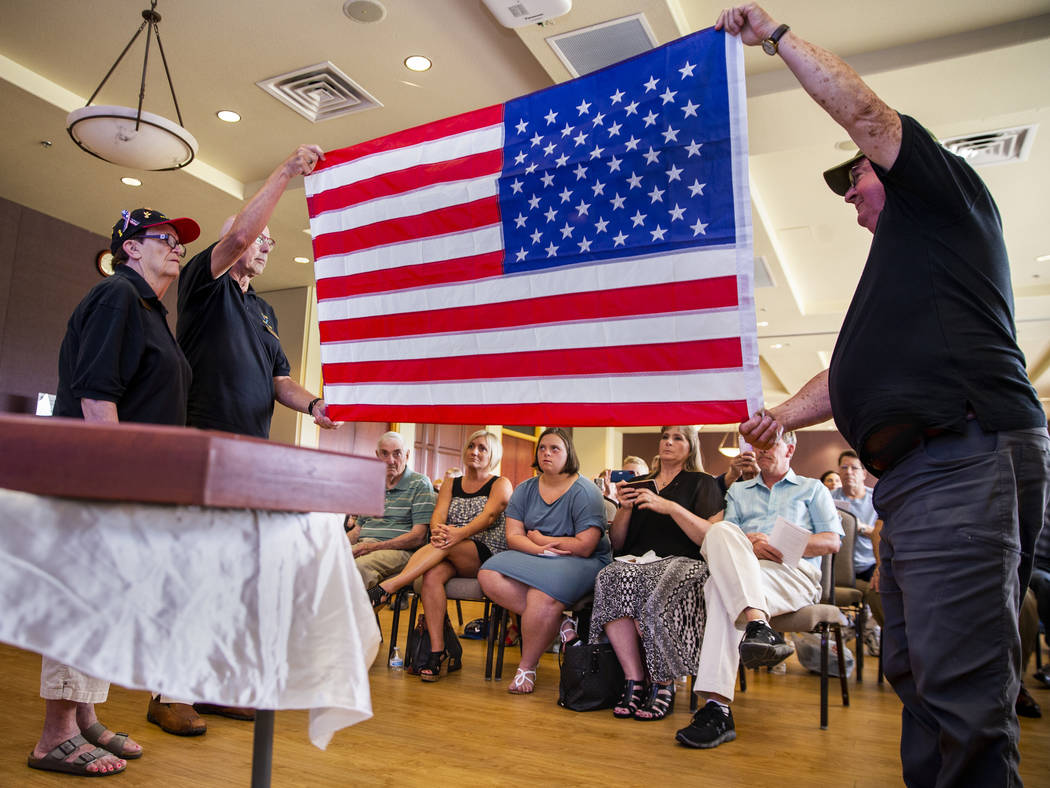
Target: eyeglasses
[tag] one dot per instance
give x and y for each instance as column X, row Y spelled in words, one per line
column 855, row 173
column 266, row 243
column 170, row 240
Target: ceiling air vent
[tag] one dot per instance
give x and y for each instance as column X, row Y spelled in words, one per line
column 993, row 147
column 319, row 92
column 591, row 48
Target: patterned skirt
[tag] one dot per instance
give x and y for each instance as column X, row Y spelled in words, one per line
column 666, row 600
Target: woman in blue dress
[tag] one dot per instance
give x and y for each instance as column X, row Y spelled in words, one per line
column 557, row 545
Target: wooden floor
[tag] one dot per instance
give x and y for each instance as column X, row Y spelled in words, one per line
column 464, row 731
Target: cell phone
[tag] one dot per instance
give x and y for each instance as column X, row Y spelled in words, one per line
column 620, row 476
column 642, row 484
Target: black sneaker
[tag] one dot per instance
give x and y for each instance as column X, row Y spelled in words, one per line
column 709, row 728
column 762, row 646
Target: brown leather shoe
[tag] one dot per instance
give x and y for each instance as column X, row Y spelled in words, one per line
column 233, row 712
column 177, row 718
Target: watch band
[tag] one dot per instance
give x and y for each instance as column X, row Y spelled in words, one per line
column 771, row 45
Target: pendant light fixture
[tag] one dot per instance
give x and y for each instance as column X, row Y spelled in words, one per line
column 729, row 446
column 132, row 137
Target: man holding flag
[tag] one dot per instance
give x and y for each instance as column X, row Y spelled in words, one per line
column 928, row 385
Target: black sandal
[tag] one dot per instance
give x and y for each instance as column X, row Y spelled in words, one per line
column 659, row 704
column 379, row 597
column 431, row 671
column 630, row 699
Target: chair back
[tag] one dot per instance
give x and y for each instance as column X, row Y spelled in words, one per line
column 827, row 577
column 845, row 575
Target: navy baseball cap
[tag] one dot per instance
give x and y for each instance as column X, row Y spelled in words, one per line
column 134, row 222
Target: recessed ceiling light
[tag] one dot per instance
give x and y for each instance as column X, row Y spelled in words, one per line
column 847, row 145
column 301, row 259
column 418, row 63
column 1043, row 258
column 777, row 345
column 129, row 181
column 228, row 115
column 763, row 323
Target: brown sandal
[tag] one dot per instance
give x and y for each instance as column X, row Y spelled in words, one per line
column 114, row 745
column 55, row 761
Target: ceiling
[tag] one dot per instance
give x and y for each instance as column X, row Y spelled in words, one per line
column 972, row 70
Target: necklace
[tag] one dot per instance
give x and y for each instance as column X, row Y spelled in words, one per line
column 662, row 484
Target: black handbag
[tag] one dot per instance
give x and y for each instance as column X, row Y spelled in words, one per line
column 591, row 676
column 417, row 649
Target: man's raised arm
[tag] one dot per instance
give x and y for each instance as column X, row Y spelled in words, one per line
column 256, row 213
column 870, row 122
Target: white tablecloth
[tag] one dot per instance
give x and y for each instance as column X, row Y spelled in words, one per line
column 228, row 606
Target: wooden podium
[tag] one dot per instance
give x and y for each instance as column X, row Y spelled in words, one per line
column 133, row 463
column 178, row 465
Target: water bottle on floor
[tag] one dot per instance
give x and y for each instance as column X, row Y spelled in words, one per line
column 397, row 663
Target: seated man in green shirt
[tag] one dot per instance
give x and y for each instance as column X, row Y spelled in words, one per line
column 383, row 545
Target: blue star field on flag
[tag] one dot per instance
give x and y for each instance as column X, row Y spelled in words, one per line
column 631, row 160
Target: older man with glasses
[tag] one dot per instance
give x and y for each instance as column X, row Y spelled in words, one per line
column 928, row 385
column 853, row 496
column 229, row 335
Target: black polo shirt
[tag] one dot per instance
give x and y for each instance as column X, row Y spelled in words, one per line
column 930, row 331
column 230, row 338
column 118, row 348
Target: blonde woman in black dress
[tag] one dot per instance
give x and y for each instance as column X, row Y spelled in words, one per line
column 466, row 529
column 653, row 613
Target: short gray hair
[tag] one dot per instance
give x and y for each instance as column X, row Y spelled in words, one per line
column 391, row 436
column 789, row 438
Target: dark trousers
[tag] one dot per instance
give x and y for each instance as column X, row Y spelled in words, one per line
column 960, row 514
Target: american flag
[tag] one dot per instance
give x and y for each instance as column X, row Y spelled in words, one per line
column 578, row 256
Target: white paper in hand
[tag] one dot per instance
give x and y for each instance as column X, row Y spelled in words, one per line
column 790, row 540
column 646, row 558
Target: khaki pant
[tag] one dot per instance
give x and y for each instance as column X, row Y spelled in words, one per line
column 738, row 581
column 62, row 682
column 381, row 564
column 873, row 599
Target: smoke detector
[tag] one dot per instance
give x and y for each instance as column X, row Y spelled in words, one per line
column 364, row 11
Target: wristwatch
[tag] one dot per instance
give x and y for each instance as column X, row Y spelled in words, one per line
column 769, row 45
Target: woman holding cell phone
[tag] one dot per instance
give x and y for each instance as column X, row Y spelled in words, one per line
column 650, row 600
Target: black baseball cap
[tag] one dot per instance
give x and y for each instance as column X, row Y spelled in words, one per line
column 837, row 177
column 134, row 222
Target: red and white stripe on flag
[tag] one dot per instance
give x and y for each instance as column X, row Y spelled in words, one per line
column 423, row 319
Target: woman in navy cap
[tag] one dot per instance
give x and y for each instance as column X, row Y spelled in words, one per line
column 119, row 362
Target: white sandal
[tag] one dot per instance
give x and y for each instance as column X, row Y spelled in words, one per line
column 524, row 682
